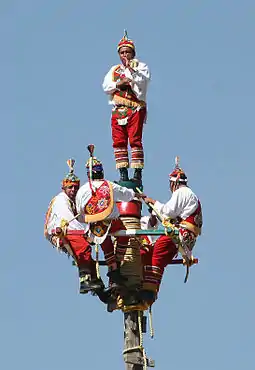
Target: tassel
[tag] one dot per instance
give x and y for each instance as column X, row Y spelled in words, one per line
column 70, row 163
column 177, row 162
column 91, row 148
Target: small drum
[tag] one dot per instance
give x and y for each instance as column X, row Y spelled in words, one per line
column 130, row 209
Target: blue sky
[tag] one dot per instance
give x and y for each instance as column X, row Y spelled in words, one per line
column 54, row 55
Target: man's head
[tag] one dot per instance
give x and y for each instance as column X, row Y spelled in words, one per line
column 178, row 177
column 71, row 183
column 95, row 170
column 126, row 48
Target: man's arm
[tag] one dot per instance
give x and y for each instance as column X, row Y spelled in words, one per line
column 109, row 86
column 122, row 194
column 139, row 75
column 169, row 209
column 82, row 197
column 149, row 222
column 66, row 213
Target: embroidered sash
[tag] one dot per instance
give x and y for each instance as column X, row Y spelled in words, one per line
column 47, row 217
column 100, row 205
column 128, row 97
column 194, row 222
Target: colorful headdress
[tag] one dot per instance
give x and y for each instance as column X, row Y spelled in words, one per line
column 125, row 41
column 178, row 175
column 93, row 164
column 96, row 165
column 71, row 178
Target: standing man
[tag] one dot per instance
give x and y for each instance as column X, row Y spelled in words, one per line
column 126, row 84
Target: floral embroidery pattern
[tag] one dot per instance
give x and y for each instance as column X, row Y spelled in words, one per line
column 99, row 201
column 198, row 220
column 187, row 239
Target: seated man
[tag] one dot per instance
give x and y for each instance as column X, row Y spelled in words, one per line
column 62, row 215
column 96, row 202
column 184, row 209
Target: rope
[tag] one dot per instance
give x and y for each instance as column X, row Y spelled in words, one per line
column 127, row 350
column 150, row 323
column 58, row 244
column 140, row 315
column 131, row 260
column 97, row 261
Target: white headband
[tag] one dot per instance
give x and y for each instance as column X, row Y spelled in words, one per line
column 174, row 179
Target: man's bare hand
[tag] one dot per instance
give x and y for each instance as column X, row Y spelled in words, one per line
column 125, row 62
column 130, row 64
column 153, row 220
column 123, row 82
column 140, row 195
column 149, row 200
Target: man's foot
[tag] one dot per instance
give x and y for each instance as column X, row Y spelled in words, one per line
column 87, row 284
column 103, row 294
column 124, row 174
column 137, row 175
column 147, row 296
column 116, row 277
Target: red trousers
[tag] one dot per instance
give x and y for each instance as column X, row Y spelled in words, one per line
column 82, row 249
column 82, row 252
column 131, row 132
column 155, row 259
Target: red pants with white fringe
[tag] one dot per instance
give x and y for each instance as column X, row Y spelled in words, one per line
column 155, row 259
column 128, row 128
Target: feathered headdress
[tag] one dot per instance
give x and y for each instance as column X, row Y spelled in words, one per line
column 178, row 175
column 125, row 41
column 71, row 178
column 93, row 164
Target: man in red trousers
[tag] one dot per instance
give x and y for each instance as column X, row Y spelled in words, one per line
column 66, row 233
column 126, row 85
column 185, row 211
column 96, row 202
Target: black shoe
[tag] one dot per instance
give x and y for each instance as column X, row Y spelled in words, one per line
column 87, row 284
column 103, row 294
column 124, row 174
column 147, row 296
column 137, row 175
column 116, row 277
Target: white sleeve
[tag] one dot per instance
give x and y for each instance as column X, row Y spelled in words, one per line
column 140, row 77
column 169, row 209
column 82, row 197
column 141, row 74
column 146, row 225
column 122, row 194
column 63, row 208
column 109, row 86
column 65, row 211
column 80, row 201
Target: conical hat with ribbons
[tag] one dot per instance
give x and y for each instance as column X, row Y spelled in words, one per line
column 178, row 175
column 70, row 179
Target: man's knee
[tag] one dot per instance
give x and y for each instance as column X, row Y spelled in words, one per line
column 163, row 240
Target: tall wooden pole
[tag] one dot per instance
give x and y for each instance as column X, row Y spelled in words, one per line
column 133, row 354
column 131, row 267
column 133, row 358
